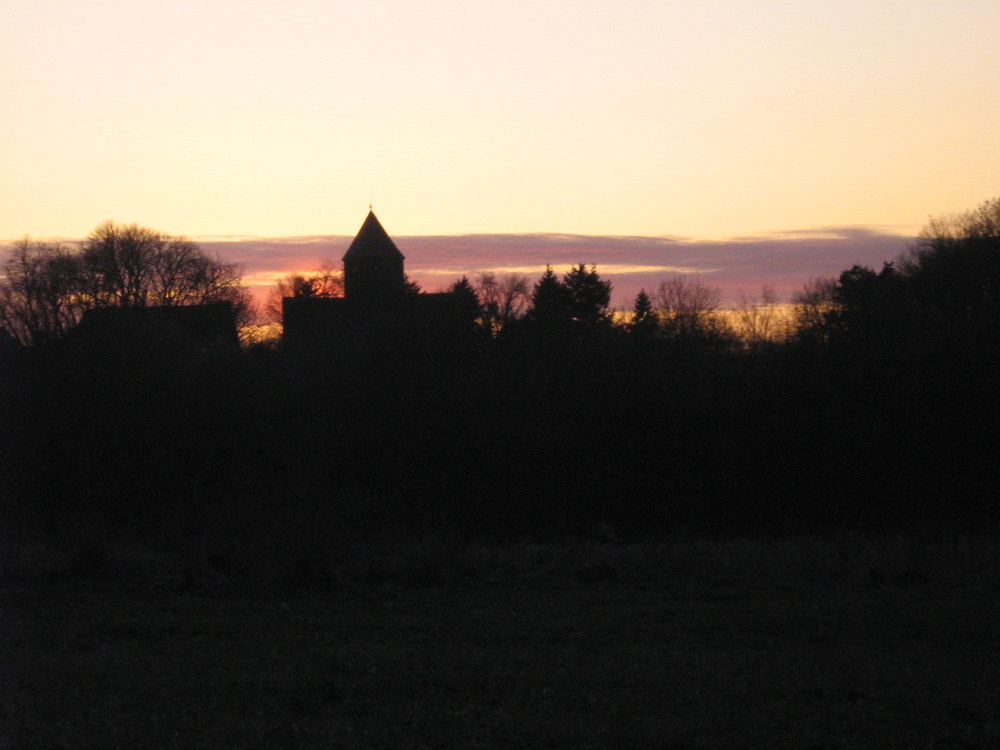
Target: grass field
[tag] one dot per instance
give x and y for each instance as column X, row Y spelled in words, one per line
column 796, row 643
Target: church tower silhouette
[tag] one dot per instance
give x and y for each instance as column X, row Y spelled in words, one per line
column 373, row 267
column 377, row 309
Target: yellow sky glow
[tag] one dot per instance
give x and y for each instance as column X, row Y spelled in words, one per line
column 705, row 119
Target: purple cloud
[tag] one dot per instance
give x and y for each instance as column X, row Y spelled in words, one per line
column 784, row 261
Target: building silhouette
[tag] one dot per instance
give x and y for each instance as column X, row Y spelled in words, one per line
column 379, row 306
column 373, row 267
column 176, row 333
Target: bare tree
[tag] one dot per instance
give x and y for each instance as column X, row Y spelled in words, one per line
column 759, row 320
column 44, row 289
column 688, row 309
column 812, row 306
column 503, row 298
column 981, row 223
column 247, row 313
column 131, row 266
column 954, row 267
column 39, row 299
column 325, row 281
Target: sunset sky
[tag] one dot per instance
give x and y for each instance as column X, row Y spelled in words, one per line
column 703, row 121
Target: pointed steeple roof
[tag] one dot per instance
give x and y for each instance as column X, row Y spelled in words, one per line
column 372, row 241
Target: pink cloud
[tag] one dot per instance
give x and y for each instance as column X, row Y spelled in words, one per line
column 784, row 261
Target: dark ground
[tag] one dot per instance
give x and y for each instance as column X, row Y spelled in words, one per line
column 800, row 643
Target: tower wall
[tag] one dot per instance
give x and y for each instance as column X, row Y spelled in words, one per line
column 373, row 280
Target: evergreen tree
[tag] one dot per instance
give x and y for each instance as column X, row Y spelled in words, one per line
column 467, row 305
column 644, row 320
column 551, row 303
column 411, row 286
column 589, row 295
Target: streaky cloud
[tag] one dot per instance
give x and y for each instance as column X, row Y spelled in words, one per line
column 783, row 260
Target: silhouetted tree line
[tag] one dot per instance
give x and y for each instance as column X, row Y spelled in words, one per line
column 45, row 288
column 547, row 415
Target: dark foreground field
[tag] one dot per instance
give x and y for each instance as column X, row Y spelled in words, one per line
column 798, row 643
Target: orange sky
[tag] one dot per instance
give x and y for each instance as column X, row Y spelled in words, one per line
column 708, row 119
